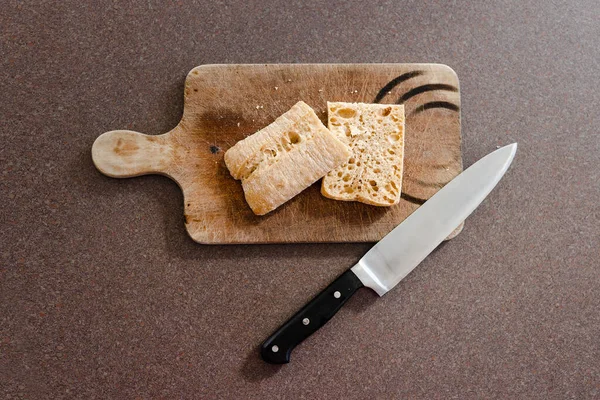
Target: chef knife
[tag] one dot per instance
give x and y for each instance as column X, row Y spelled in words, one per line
column 397, row 254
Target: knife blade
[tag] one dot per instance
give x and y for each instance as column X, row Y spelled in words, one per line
column 397, row 254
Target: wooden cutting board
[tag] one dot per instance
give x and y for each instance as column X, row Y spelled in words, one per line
column 225, row 103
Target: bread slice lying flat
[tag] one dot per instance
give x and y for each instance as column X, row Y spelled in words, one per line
column 284, row 158
column 375, row 134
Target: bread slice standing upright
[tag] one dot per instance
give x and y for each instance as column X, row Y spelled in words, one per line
column 284, row 158
column 375, row 134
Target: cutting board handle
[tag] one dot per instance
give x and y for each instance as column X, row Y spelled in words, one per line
column 124, row 154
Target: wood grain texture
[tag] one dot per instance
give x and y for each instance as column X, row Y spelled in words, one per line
column 226, row 103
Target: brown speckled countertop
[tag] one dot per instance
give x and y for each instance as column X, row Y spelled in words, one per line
column 103, row 295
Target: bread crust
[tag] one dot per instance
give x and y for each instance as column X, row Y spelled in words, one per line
column 284, row 158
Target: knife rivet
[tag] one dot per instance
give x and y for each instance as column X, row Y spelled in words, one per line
column 337, row 294
column 275, row 349
column 306, row 321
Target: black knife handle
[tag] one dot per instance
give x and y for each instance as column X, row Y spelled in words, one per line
column 278, row 347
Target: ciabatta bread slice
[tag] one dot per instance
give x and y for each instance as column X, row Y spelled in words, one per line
column 375, row 134
column 284, row 158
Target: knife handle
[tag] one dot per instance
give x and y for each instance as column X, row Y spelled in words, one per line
column 278, row 347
